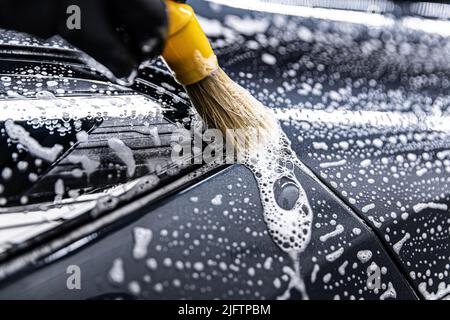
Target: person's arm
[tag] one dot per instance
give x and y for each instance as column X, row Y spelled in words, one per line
column 120, row 34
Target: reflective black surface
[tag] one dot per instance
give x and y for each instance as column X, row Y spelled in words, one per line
column 365, row 106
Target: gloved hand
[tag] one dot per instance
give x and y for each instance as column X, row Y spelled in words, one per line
column 120, row 34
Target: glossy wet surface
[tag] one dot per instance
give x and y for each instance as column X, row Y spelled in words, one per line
column 365, row 106
column 367, row 111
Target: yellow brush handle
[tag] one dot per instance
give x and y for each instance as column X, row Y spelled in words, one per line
column 187, row 50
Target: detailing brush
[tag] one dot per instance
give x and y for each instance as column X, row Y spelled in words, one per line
column 221, row 103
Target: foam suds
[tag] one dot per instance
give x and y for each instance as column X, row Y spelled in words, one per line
column 398, row 246
column 59, row 190
column 117, row 273
column 142, row 238
column 316, row 269
column 290, row 229
column 339, row 229
column 21, row 136
column 364, row 255
column 124, row 153
column 441, row 293
column 431, row 205
column 334, row 255
column 88, row 164
column 286, row 209
column 390, row 293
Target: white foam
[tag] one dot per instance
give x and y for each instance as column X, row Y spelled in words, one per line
column 290, row 229
column 152, row 264
column 333, row 164
column 59, row 190
column 116, row 273
column 142, row 238
column 155, row 135
column 342, row 267
column 52, row 83
column 134, row 287
column 268, row 263
column 124, row 153
column 339, row 229
column 398, row 246
column 82, row 136
column 217, row 200
column 389, row 293
column 268, row 59
column 430, row 205
column 316, row 269
column 364, row 255
column 7, row 173
column 320, row 145
column 19, row 134
column 365, row 163
column 211, row 27
column 198, row 266
column 443, row 290
column 368, row 207
column 334, row 255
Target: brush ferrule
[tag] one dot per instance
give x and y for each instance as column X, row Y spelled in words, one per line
column 187, row 51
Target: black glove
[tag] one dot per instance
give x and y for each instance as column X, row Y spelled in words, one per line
column 120, row 34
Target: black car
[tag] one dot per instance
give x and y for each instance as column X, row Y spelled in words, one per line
column 92, row 205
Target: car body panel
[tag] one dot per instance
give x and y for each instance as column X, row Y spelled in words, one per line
column 200, row 250
column 366, row 107
column 351, row 111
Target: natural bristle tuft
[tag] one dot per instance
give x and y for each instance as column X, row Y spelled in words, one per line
column 225, row 105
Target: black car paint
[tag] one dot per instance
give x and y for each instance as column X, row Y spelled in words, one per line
column 178, row 210
column 209, row 224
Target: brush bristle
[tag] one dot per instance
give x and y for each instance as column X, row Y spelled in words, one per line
column 225, row 105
